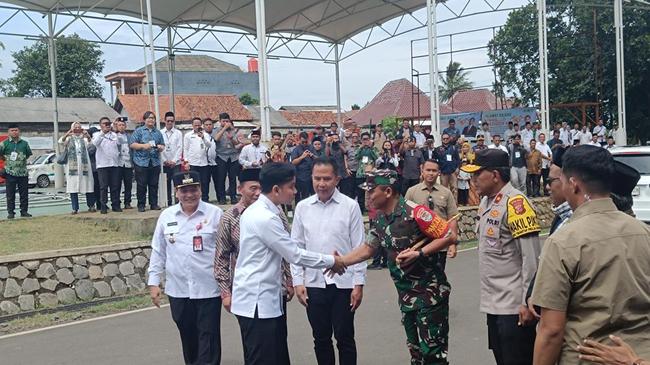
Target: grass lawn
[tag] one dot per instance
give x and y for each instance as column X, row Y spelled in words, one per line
column 54, row 233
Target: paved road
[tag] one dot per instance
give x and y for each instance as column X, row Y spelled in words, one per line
column 149, row 337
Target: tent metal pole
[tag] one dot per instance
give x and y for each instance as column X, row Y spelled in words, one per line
column 338, row 85
column 620, row 73
column 51, row 47
column 153, row 66
column 260, row 17
column 433, row 69
column 543, row 65
column 171, row 67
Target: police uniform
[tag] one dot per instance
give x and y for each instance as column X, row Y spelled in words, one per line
column 509, row 248
column 183, row 248
column 422, row 287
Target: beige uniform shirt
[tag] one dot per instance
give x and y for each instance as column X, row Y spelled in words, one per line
column 597, row 270
column 443, row 200
column 508, row 250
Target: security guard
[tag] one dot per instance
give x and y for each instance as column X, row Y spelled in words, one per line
column 509, row 248
column 418, row 274
column 183, row 247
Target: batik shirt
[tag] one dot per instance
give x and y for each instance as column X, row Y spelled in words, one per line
column 421, row 284
column 227, row 250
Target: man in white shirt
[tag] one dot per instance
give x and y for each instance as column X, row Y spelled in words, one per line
column 125, row 166
column 420, row 138
column 585, row 135
column 547, row 159
column 213, row 170
column 485, row 131
column 497, row 143
column 257, row 284
column 594, row 141
column 575, row 134
column 107, row 160
column 171, row 155
column 195, row 152
column 601, row 131
column 610, row 143
column 526, row 135
column 325, row 222
column 253, row 155
column 183, row 248
column 565, row 134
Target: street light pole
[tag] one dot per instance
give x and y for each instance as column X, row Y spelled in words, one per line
column 433, row 68
column 620, row 73
column 51, row 55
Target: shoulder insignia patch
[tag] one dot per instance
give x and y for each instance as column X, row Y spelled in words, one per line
column 522, row 219
column 498, row 198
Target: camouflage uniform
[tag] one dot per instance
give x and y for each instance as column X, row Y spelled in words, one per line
column 422, row 287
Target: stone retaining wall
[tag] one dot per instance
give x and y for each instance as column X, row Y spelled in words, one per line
column 48, row 279
column 467, row 222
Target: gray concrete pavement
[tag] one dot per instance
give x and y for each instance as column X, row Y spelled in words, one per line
column 149, row 337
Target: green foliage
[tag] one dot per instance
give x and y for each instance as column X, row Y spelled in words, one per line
column 391, row 125
column 79, row 64
column 248, row 99
column 581, row 58
column 355, row 107
column 454, row 79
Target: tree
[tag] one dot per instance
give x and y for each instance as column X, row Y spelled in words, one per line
column 581, row 59
column 248, row 99
column 79, row 64
column 355, row 107
column 452, row 80
column 390, row 125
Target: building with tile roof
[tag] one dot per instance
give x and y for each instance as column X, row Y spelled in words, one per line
column 194, row 74
column 304, row 119
column 476, row 100
column 186, row 106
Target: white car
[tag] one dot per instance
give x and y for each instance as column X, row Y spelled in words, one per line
column 639, row 158
column 41, row 170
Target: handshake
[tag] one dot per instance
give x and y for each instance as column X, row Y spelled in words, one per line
column 338, row 267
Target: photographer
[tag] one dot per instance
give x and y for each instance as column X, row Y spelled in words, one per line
column 302, row 158
column 78, row 170
column 195, row 152
column 228, row 145
column 107, row 158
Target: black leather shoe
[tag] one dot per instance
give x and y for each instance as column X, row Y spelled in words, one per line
column 104, row 211
column 11, row 216
column 128, row 206
column 25, row 215
column 140, row 209
column 155, row 207
column 222, row 202
column 117, row 210
column 234, row 200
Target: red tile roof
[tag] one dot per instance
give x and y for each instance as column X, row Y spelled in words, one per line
column 468, row 101
column 398, row 98
column 186, row 106
column 309, row 118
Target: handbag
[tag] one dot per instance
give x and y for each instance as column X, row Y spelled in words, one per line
column 62, row 159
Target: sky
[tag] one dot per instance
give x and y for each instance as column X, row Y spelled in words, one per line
column 300, row 82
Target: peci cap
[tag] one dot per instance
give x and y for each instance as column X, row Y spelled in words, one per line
column 186, row 178
column 256, row 132
column 252, row 174
column 490, row 158
column 376, row 178
column 625, row 177
column 480, row 137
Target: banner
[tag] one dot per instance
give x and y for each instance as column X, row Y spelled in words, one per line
column 498, row 119
column 462, row 121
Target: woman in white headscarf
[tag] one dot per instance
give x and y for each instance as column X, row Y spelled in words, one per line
column 78, row 170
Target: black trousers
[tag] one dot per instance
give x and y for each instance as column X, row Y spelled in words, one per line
column 199, row 324
column 533, row 185
column 510, row 343
column 304, row 188
column 95, row 194
column 329, row 312
column 264, row 340
column 126, row 175
column 109, row 178
column 169, row 175
column 17, row 183
column 346, row 186
column 204, row 172
column 361, row 194
column 231, row 169
column 147, row 180
column 463, row 196
column 545, row 180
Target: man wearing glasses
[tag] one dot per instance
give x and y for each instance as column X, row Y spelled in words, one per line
column 508, row 247
column 107, row 158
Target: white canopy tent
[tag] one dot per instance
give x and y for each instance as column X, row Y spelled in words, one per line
column 279, row 23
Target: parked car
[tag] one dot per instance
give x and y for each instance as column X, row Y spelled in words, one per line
column 639, row 158
column 41, row 170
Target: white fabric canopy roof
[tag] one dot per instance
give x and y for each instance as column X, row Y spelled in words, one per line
column 332, row 20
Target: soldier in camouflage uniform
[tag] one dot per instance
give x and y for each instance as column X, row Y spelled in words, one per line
column 420, row 280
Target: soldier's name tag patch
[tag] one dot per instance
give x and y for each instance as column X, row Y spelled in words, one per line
column 522, row 219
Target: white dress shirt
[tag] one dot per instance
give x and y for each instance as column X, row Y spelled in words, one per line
column 212, row 152
column 545, row 150
column 500, row 146
column 526, row 137
column 188, row 274
column 336, row 225
column 258, row 275
column 420, row 138
column 600, row 131
column 195, row 149
column 585, row 137
column 252, row 154
column 108, row 149
column 173, row 145
column 566, row 137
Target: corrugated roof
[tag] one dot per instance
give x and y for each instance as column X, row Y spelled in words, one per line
column 477, row 100
column 309, row 118
column 277, row 119
column 40, row 110
column 398, row 98
column 186, row 106
column 196, row 63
